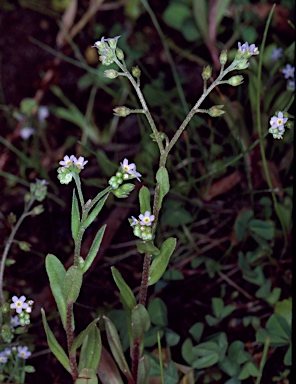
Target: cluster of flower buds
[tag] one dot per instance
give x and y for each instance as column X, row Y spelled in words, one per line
column 108, row 51
column 23, row 309
column 70, row 166
column 142, row 225
column 38, row 191
column 125, row 172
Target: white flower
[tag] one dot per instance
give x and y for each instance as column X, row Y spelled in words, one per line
column 278, row 121
column 23, row 352
column 26, row 132
column 146, row 219
column 135, row 221
column 19, row 304
column 80, row 162
column 67, row 161
column 42, row 113
column 130, row 169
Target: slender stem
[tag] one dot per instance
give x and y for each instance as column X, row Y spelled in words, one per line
column 263, row 360
column 145, row 279
column 146, row 111
column 9, row 242
column 78, row 185
column 135, row 359
column 160, row 358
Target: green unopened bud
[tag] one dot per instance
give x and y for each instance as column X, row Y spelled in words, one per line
column 24, row 246
column 122, row 111
column 111, row 73
column 64, row 175
column 216, row 111
column 37, row 210
column 11, row 218
column 235, row 80
column 289, row 124
column 6, row 333
column 242, row 64
column 207, row 72
column 223, row 57
column 119, row 54
column 39, row 189
column 113, row 42
column 123, row 191
column 136, row 71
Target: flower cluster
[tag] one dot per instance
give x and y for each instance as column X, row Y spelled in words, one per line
column 21, row 352
column 108, row 51
column 142, row 225
column 277, row 123
column 69, row 166
column 38, row 190
column 245, row 50
column 23, row 309
column 126, row 172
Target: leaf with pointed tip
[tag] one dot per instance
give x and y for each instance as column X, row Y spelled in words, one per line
column 75, row 217
column 160, row 263
column 55, row 347
column 116, row 347
column 94, row 249
column 56, row 274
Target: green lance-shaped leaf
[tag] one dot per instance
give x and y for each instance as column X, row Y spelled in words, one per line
column 161, row 261
column 75, row 216
column 91, row 350
column 55, row 347
column 116, row 347
column 162, row 178
column 95, row 211
column 140, row 321
column 82, row 335
column 87, row 376
column 72, row 284
column 143, row 370
column 144, row 198
column 92, row 253
column 124, row 289
column 147, row 247
column 56, row 274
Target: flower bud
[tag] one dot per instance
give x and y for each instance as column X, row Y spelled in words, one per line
column 223, row 57
column 136, row 71
column 110, row 74
column 119, row 54
column 64, row 175
column 39, row 189
column 207, row 72
column 11, row 218
column 24, row 246
column 242, row 64
column 113, row 42
column 216, row 111
column 122, row 111
column 37, row 210
column 123, row 191
column 289, row 124
column 235, row 80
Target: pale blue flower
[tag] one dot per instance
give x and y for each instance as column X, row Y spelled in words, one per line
column 277, row 53
column 19, row 304
column 14, row 321
column 67, row 161
column 43, row 113
column 278, row 121
column 245, row 48
column 23, row 352
column 146, row 219
column 291, row 85
column 3, row 358
column 135, row 221
column 130, row 169
column 289, row 71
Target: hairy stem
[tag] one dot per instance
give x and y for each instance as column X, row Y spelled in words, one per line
column 70, row 338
